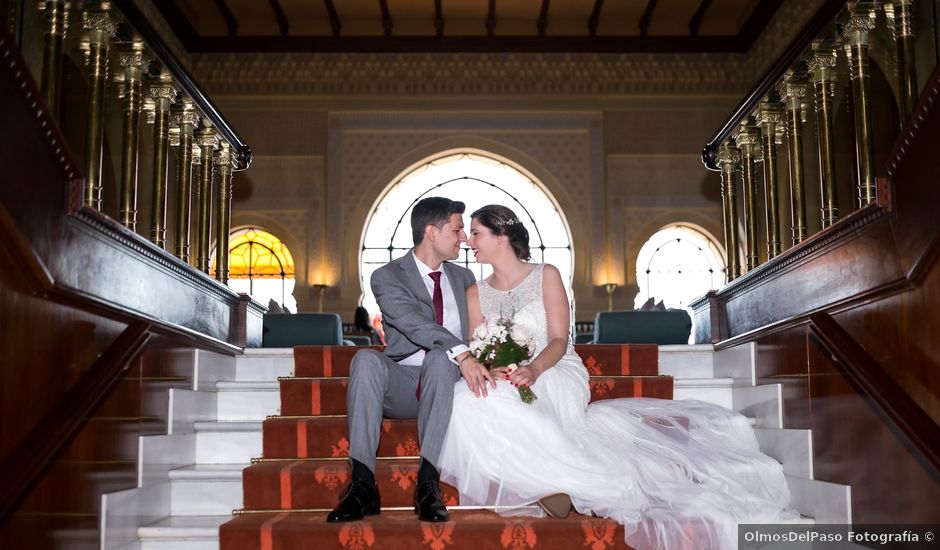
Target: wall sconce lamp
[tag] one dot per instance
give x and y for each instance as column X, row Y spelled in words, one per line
column 610, row 288
column 320, row 289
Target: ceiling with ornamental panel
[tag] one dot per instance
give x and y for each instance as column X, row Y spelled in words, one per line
column 599, row 26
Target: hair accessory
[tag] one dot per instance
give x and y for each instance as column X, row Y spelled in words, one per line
column 510, row 221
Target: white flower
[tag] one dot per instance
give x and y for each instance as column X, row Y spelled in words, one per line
column 497, row 333
column 481, row 332
column 521, row 334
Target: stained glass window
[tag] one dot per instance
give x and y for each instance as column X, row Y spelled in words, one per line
column 260, row 265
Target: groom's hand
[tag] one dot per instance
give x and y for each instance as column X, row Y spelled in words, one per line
column 476, row 375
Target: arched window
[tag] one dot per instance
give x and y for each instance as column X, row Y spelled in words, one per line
column 678, row 264
column 260, row 265
column 476, row 180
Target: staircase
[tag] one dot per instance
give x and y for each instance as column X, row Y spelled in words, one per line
column 304, row 468
column 288, row 406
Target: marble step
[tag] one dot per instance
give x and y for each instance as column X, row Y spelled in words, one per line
column 824, row 501
column 206, row 489
column 182, row 533
column 264, row 364
column 791, row 447
column 229, row 442
column 247, row 400
column 687, row 361
column 711, row 390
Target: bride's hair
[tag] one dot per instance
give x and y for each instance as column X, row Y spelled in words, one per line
column 503, row 221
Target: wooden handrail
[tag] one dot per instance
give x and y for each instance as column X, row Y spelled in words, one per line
column 823, row 18
column 915, row 428
column 24, row 466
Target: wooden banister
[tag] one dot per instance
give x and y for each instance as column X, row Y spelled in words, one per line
column 24, row 466
column 914, row 427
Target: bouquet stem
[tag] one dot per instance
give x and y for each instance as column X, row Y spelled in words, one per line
column 527, row 395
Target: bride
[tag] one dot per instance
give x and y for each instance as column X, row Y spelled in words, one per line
column 676, row 474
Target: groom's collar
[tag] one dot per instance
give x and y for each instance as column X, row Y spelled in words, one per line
column 423, row 268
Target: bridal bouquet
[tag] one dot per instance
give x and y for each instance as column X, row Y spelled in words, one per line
column 502, row 343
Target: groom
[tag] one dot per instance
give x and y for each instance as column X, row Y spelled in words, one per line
column 424, row 311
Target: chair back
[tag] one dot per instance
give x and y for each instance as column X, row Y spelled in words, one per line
column 301, row 329
column 642, row 327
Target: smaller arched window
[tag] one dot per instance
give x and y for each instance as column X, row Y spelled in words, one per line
column 260, row 265
column 678, row 264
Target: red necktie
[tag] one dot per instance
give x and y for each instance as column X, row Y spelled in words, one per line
column 438, row 297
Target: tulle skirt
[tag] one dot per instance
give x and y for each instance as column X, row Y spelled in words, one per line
column 676, row 474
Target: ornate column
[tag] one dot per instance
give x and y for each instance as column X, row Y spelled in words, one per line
column 769, row 118
column 99, row 28
column 162, row 92
column 208, row 140
column 728, row 159
column 55, row 26
column 903, row 31
column 226, row 162
column 821, row 66
column 857, row 31
column 793, row 94
column 184, row 119
column 133, row 60
column 748, row 141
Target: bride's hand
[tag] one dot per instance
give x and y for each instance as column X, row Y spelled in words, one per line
column 499, row 373
column 525, row 376
column 476, row 374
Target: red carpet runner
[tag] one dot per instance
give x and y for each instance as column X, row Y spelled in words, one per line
column 289, row 492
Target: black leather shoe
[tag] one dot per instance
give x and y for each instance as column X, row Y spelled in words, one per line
column 429, row 504
column 358, row 500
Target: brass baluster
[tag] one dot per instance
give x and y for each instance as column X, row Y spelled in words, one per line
column 728, row 159
column 134, row 61
column 748, row 141
column 184, row 119
column 55, row 27
column 208, row 140
column 163, row 92
column 99, row 28
column 903, row 32
column 857, row 30
column 769, row 118
column 793, row 93
column 225, row 161
column 821, row 66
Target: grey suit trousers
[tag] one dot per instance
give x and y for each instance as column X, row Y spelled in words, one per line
column 381, row 387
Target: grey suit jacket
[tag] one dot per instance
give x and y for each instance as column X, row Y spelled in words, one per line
column 408, row 310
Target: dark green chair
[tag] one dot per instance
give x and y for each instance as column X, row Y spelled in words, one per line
column 282, row 330
column 642, row 327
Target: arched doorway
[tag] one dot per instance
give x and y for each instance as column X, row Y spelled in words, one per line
column 475, row 178
column 679, row 263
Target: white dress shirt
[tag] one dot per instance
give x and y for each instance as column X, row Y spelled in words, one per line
column 451, row 314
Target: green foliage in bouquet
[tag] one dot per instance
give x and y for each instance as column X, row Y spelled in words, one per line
column 499, row 349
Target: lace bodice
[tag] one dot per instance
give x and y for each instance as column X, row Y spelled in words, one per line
column 523, row 304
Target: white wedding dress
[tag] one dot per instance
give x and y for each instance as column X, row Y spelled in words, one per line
column 632, row 460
